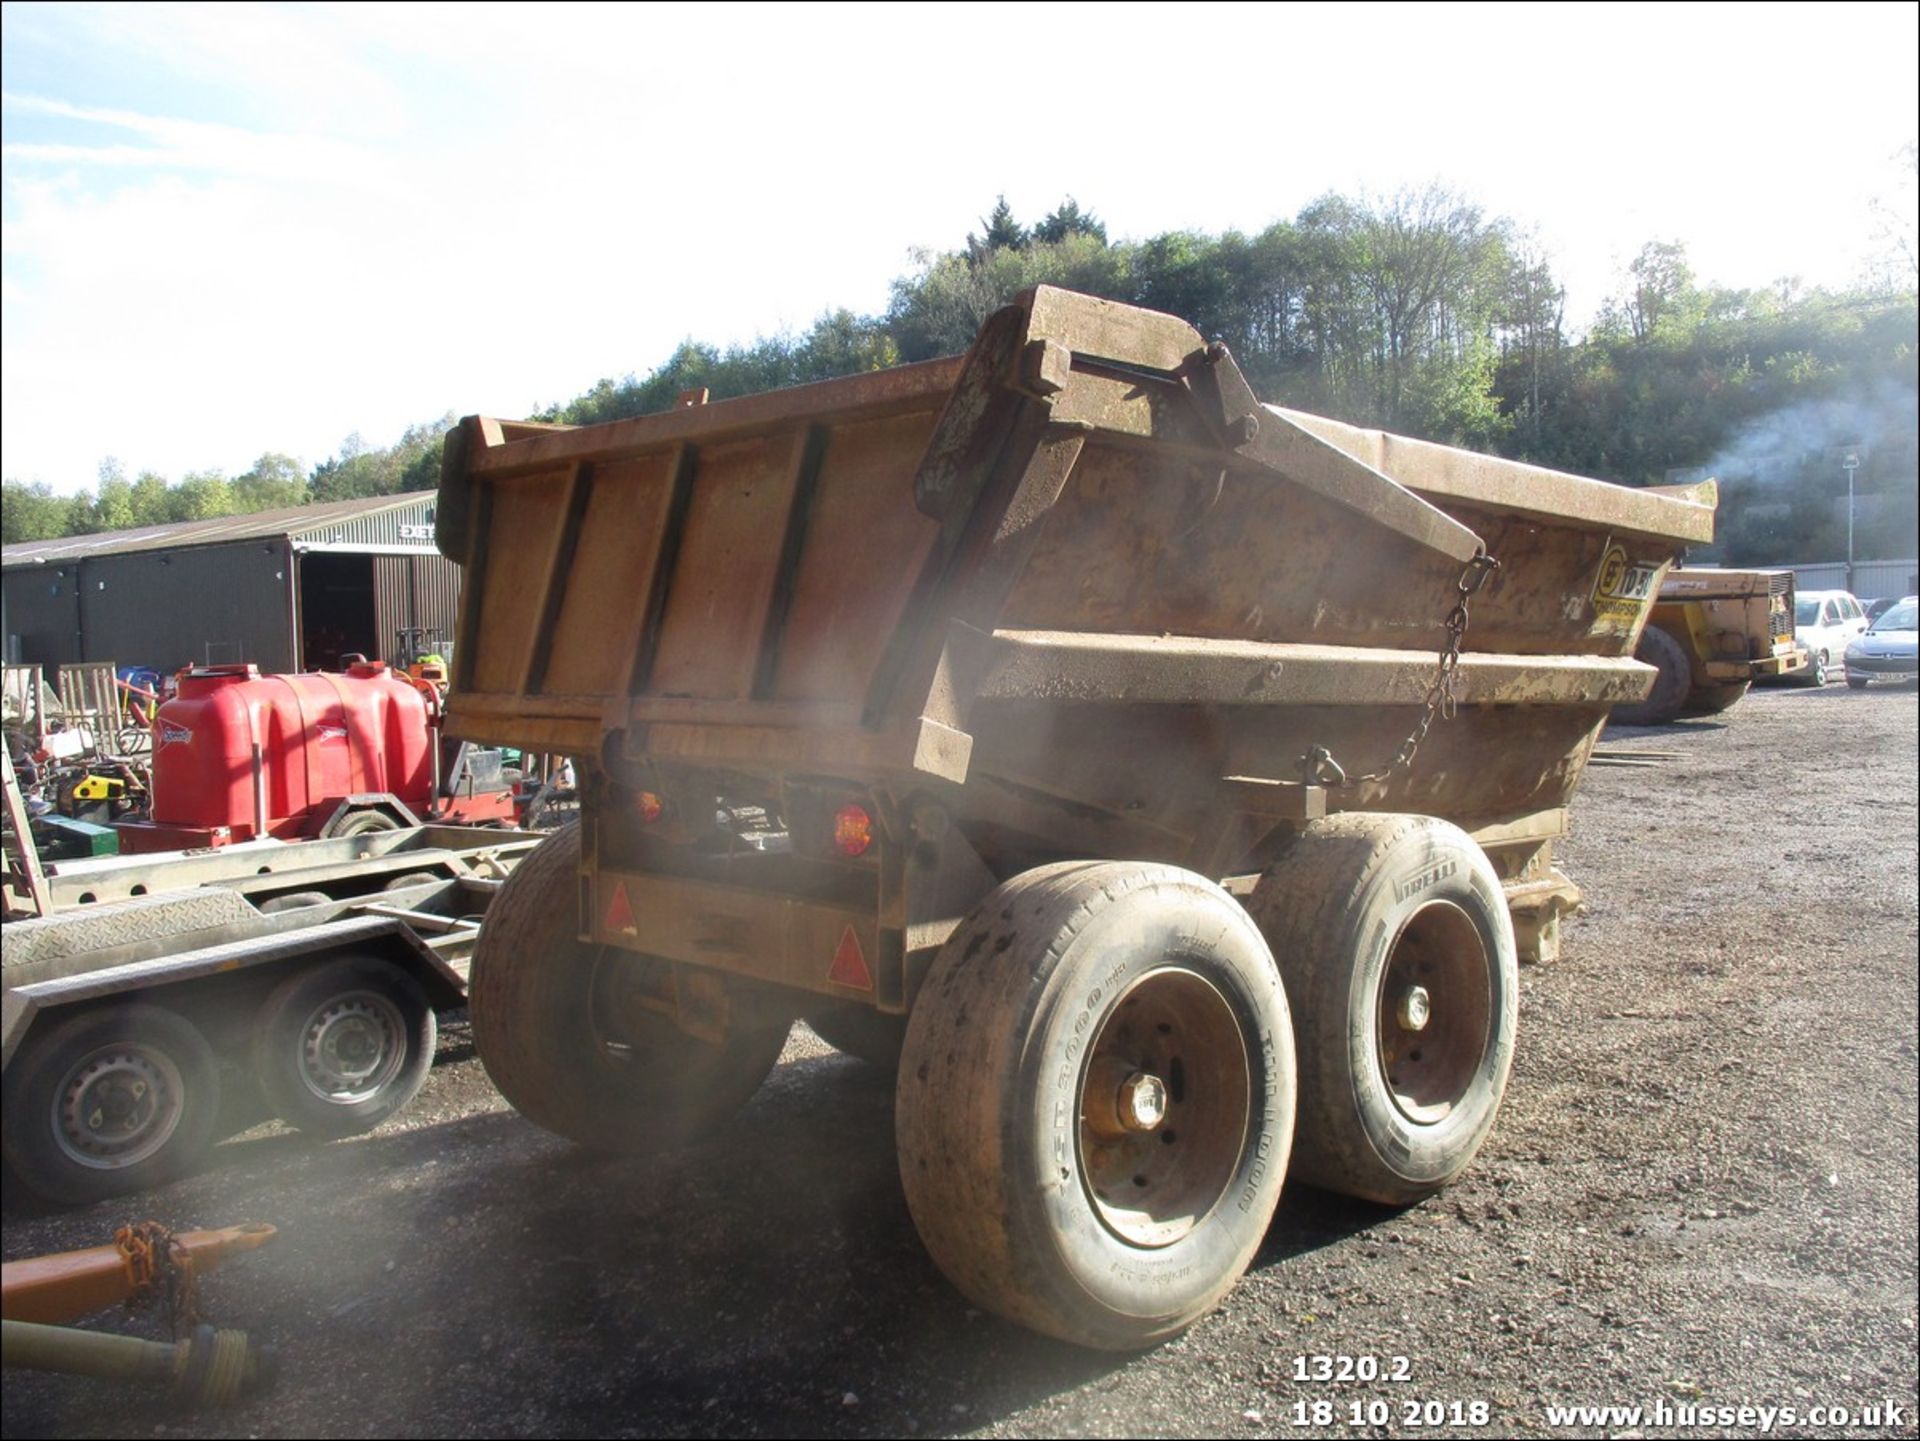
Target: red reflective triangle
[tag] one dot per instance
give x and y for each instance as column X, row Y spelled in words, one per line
column 849, row 966
column 620, row 912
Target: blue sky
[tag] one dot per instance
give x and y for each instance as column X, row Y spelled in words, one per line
column 231, row 229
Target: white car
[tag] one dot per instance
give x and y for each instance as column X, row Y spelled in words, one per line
column 1887, row 650
column 1825, row 623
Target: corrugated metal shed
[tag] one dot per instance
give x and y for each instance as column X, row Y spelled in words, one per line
column 294, row 589
column 1871, row 579
column 397, row 520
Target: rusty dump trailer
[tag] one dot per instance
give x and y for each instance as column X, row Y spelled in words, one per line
column 952, row 692
column 1710, row 635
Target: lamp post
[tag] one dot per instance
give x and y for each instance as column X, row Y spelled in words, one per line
column 1850, row 463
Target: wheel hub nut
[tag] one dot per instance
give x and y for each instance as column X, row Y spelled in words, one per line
column 1143, row 1101
column 1416, row 1008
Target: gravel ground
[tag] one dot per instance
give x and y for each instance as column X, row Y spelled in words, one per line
column 1701, row 1193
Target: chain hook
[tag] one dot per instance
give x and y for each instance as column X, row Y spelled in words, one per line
column 1440, row 701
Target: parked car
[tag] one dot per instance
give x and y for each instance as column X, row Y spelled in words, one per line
column 1887, row 650
column 1825, row 623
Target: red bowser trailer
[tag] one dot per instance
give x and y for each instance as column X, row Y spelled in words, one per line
column 238, row 755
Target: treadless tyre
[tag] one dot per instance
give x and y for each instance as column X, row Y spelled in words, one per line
column 864, row 1033
column 339, row 1049
column 110, row 1101
column 1396, row 947
column 361, row 823
column 558, row 1025
column 298, row 901
column 1095, row 1101
column 1712, row 699
column 1672, row 677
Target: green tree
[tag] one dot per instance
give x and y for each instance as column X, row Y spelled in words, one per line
column 1659, row 288
column 31, row 512
column 150, row 501
column 1000, row 231
column 356, row 471
column 113, row 505
column 79, row 514
column 202, row 495
column 274, row 482
column 1067, row 218
column 1532, row 370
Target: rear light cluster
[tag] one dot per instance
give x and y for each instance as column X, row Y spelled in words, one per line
column 852, row 830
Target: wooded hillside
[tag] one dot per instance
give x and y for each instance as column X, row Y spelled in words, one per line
column 1418, row 314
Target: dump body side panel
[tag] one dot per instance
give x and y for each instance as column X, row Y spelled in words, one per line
column 727, row 561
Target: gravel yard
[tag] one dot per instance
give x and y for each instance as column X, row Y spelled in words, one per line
column 1701, row 1194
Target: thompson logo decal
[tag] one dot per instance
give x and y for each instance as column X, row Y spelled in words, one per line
column 1623, row 588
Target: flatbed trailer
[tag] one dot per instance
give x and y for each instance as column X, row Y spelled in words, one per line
column 935, row 704
column 315, row 969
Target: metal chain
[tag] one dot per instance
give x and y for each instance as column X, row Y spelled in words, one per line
column 1320, row 768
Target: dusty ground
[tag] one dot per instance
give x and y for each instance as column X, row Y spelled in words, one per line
column 1701, row 1192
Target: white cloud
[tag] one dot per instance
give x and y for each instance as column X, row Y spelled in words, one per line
column 315, row 220
column 196, row 145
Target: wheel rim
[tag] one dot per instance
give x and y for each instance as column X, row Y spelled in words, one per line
column 1164, row 1101
column 352, row 1047
column 1434, row 1012
column 118, row 1106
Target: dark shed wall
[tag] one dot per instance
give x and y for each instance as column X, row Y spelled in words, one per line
column 415, row 590
column 43, row 610
column 166, row 609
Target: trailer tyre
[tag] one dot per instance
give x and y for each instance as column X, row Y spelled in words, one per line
column 1394, row 940
column 1712, row 699
column 863, row 1033
column 556, row 1039
column 1672, row 677
column 1095, row 1103
column 340, row 1048
column 360, row 823
column 298, row 901
column 109, row 1101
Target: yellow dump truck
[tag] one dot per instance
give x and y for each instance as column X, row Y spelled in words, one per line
column 1711, row 635
column 934, row 705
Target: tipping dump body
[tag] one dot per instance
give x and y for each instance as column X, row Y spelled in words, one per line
column 1734, row 625
column 1076, row 587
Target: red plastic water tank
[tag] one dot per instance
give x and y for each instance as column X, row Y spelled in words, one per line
column 321, row 737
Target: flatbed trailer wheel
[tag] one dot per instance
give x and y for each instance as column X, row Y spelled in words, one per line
column 340, row 1048
column 1397, row 950
column 111, row 1100
column 1095, row 1103
column 556, row 1027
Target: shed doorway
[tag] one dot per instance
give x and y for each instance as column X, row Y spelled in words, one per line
column 336, row 610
